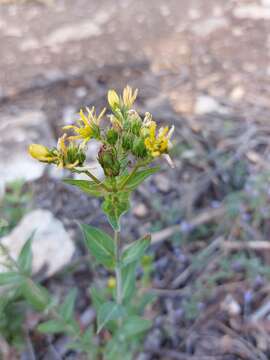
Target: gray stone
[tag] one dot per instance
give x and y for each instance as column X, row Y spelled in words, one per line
column 162, row 183
column 52, row 245
column 207, row 27
column 252, row 11
column 18, row 132
column 206, row 104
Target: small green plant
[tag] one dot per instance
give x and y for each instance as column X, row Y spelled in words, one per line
column 128, row 147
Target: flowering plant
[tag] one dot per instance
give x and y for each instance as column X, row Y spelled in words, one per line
column 128, row 147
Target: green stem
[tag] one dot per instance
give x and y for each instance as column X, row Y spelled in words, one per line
column 95, row 179
column 118, row 268
column 136, row 167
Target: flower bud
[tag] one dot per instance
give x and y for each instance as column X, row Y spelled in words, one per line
column 138, row 148
column 127, row 141
column 113, row 99
column 107, row 158
column 112, row 136
column 111, row 282
column 40, row 152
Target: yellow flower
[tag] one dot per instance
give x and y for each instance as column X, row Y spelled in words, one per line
column 88, row 125
column 111, row 282
column 129, row 97
column 158, row 144
column 68, row 156
column 41, row 153
column 113, row 99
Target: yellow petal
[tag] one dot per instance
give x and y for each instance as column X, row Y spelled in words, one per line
column 113, row 99
column 39, row 152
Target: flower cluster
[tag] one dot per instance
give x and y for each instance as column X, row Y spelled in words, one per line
column 122, row 136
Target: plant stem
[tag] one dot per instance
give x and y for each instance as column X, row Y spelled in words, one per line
column 136, row 167
column 118, row 268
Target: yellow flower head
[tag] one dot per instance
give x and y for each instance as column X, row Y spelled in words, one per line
column 126, row 101
column 41, row 153
column 113, row 99
column 158, row 144
column 69, row 156
column 88, row 125
column 129, row 97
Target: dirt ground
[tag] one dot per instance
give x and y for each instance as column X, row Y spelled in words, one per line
column 203, row 65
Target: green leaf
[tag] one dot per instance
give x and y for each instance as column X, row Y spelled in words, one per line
column 26, row 256
column 10, row 278
column 107, row 312
column 97, row 298
column 128, row 280
column 136, row 250
column 51, row 327
column 89, row 187
column 134, row 325
column 114, row 206
column 67, row 308
column 99, row 244
column 35, row 294
column 137, row 178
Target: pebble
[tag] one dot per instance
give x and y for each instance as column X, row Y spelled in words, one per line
column 140, row 210
column 206, row 104
column 52, row 246
column 162, row 183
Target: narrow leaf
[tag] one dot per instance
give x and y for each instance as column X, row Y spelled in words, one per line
column 128, row 281
column 107, row 312
column 25, row 257
column 99, row 244
column 135, row 180
column 10, row 278
column 136, row 250
column 51, row 327
column 134, row 325
column 89, row 187
column 97, row 298
column 35, row 294
column 67, row 308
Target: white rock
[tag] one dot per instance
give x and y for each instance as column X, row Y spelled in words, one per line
column 252, row 11
column 162, row 183
column 18, row 132
column 78, row 31
column 265, row 2
column 140, row 210
column 206, row 104
column 230, row 305
column 237, row 93
column 52, row 245
column 207, row 27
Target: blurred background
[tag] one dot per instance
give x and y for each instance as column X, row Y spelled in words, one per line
column 202, row 65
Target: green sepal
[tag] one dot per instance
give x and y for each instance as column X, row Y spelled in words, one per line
column 100, row 245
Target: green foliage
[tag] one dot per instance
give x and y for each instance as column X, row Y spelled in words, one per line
column 89, row 187
column 136, row 250
column 13, row 206
column 100, row 245
column 114, row 206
